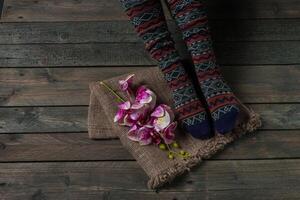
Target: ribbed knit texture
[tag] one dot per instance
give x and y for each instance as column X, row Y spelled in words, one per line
column 191, row 17
column 150, row 24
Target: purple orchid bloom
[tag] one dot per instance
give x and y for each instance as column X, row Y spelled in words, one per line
column 144, row 96
column 145, row 135
column 168, row 134
column 132, row 133
column 162, row 117
column 162, row 120
column 144, row 103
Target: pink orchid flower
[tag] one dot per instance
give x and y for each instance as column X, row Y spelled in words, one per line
column 144, row 103
column 122, row 112
column 168, row 134
column 162, row 117
column 145, row 135
column 144, row 96
column 132, row 133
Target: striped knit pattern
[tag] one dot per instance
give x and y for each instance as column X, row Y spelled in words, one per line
column 191, row 17
column 150, row 24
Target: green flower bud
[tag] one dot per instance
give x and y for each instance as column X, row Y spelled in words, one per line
column 170, row 155
column 162, row 146
column 175, row 145
column 182, row 152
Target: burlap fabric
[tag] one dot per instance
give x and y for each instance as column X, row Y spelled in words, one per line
column 154, row 161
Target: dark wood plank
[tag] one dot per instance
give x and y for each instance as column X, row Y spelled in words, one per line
column 120, row 31
column 120, row 54
column 43, row 119
column 95, row 10
column 264, row 179
column 1, row 8
column 254, row 9
column 73, row 119
column 51, row 86
column 78, row 147
column 103, row 194
column 43, row 86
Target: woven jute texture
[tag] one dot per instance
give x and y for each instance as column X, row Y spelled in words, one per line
column 158, row 167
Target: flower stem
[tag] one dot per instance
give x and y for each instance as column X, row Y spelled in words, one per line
column 112, row 91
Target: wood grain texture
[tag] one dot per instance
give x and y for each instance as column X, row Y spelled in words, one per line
column 73, row 119
column 132, row 54
column 78, row 147
column 1, row 8
column 95, row 10
column 48, row 60
column 51, row 86
column 120, row 31
column 264, row 179
column 103, row 194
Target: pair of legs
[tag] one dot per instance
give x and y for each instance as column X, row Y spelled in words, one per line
column 191, row 17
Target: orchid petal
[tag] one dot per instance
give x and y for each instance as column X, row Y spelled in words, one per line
column 120, row 114
column 169, row 133
column 146, row 141
column 162, row 122
column 158, row 112
column 144, row 135
column 127, row 121
column 135, row 116
column 170, row 111
column 136, row 105
column 146, row 98
column 132, row 134
column 125, row 106
column 156, row 138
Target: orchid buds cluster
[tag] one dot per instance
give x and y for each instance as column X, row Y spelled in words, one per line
column 148, row 123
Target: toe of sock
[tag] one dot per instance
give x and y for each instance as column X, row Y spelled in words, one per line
column 227, row 122
column 200, row 130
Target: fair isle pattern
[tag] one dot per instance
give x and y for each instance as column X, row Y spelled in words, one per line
column 184, row 95
column 217, row 114
column 205, row 66
column 174, row 74
column 166, row 61
column 191, row 17
column 200, row 47
column 196, row 119
column 195, row 30
column 145, row 17
column 150, row 24
column 213, row 87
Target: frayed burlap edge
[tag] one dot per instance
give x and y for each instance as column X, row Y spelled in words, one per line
column 216, row 145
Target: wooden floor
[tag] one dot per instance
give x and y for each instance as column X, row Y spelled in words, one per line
column 51, row 49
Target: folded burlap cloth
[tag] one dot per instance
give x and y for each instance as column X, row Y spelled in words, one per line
column 154, row 161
